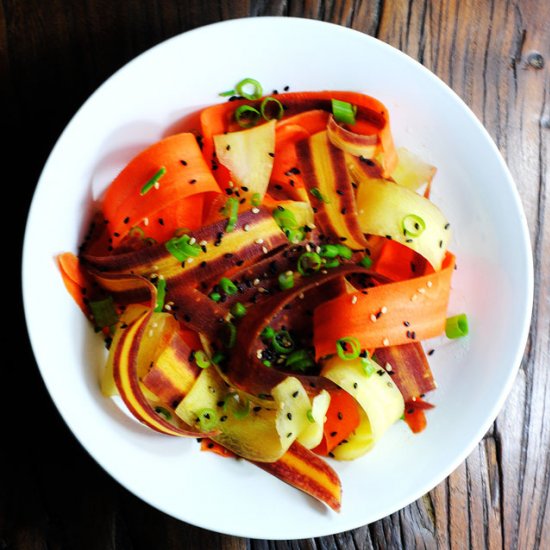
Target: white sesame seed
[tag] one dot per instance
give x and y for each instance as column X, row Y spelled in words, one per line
column 388, row 367
column 153, row 276
column 156, row 185
column 192, row 240
column 414, row 398
column 308, row 248
column 231, row 184
column 311, row 226
column 324, row 271
column 386, row 342
column 202, row 243
column 354, row 300
column 318, row 249
column 170, row 303
column 246, row 227
column 429, row 284
column 383, row 309
column 155, row 267
column 146, row 221
column 154, row 325
column 301, row 295
column 151, row 332
column 289, row 273
column 259, row 241
column 373, row 317
column 161, row 276
column 262, row 290
column 259, row 353
column 256, row 282
column 190, row 260
column 422, row 290
column 264, row 249
column 414, row 297
column 167, row 307
column 255, row 210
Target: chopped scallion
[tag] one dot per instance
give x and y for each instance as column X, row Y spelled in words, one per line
column 238, row 310
column 309, row 263
column 413, row 225
column 231, row 210
column 201, row 359
column 366, row 262
column 230, row 335
column 328, row 251
column 182, row 249
column 344, row 111
column 286, row 280
column 309, row 415
column 267, row 333
column 151, row 183
column 228, row 286
column 282, row 342
column 348, row 348
column 457, row 326
column 256, row 199
column 161, row 294
column 247, row 116
column 299, row 360
column 243, row 88
column 318, row 195
column 264, row 107
column 344, row 251
column 104, row 312
column 208, row 419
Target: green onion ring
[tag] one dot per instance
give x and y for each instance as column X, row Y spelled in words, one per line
column 257, row 88
column 246, row 116
column 201, row 359
column 161, row 294
column 282, row 342
column 207, row 419
column 457, row 326
column 280, row 109
column 344, row 111
column 342, row 345
column 308, row 263
column 413, row 225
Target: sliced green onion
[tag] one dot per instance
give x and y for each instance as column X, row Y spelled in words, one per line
column 256, row 199
column 163, row 412
column 343, row 346
column 246, row 116
column 299, row 360
column 285, row 218
column 366, row 262
column 208, row 419
column 201, row 359
column 151, row 183
column 328, row 251
column 368, row 368
column 227, row 94
column 344, row 111
column 318, row 195
column 282, row 342
column 181, row 248
column 308, row 263
column 332, row 263
column 457, row 326
column 294, row 235
column 309, row 415
column 266, row 363
column 267, row 333
column 264, row 106
column 413, row 225
column 256, row 88
column 104, row 312
column 286, row 280
column 228, row 286
column 344, row 251
column 149, row 241
column 136, row 232
column 161, row 294
column 216, row 296
column 238, row 310
column 230, row 335
column 231, row 210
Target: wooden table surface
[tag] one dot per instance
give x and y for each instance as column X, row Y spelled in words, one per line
column 495, row 54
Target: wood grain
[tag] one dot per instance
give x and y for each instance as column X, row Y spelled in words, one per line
column 54, row 54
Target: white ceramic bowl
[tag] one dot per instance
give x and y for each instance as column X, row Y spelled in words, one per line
column 494, row 283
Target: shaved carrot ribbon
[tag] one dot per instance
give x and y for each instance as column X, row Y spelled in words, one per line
column 389, row 314
column 187, row 174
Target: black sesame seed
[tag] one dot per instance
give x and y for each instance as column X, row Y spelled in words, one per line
column 333, row 434
column 289, row 416
column 183, row 162
column 193, row 181
column 295, row 394
column 431, row 352
column 126, row 220
column 340, row 415
column 257, row 409
column 355, row 385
